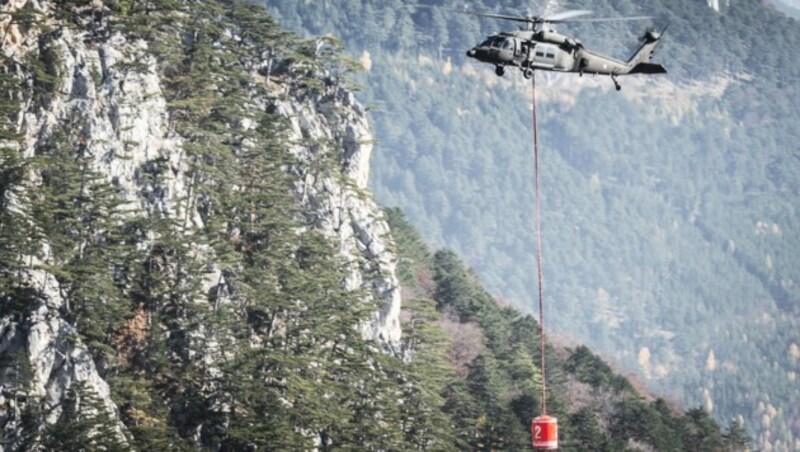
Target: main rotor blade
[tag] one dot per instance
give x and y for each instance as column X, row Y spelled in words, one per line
column 611, row 19
column 565, row 15
column 502, row 16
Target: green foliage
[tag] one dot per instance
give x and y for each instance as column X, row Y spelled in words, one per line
column 84, row 424
column 79, row 214
column 585, row 432
column 590, row 369
column 426, row 374
column 491, row 407
column 230, row 329
column 697, row 426
column 668, row 213
column 219, row 319
column 736, row 439
column 16, row 238
column 15, row 241
column 413, row 268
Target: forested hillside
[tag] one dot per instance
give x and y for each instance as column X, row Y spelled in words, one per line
column 170, row 277
column 670, row 209
column 490, row 386
column 189, row 260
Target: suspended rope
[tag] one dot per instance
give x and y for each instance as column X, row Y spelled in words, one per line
column 543, row 428
column 539, row 241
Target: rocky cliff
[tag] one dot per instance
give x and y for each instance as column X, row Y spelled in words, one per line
column 340, row 204
column 111, row 80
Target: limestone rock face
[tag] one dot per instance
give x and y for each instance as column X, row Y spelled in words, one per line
column 56, row 361
column 339, row 204
column 112, row 84
column 124, row 119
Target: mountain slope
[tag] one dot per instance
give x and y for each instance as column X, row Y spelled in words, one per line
column 669, row 210
column 495, row 352
column 189, row 259
column 789, row 7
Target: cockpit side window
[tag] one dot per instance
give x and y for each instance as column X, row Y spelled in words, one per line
column 508, row 44
column 486, row 43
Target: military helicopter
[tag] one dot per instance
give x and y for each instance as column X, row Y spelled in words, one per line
column 538, row 48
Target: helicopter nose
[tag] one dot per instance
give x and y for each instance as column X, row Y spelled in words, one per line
column 471, row 53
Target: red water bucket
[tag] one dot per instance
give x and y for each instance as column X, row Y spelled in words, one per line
column 545, row 433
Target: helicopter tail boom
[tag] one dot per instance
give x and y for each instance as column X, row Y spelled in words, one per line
column 645, row 52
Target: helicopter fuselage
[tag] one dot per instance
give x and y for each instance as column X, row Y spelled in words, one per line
column 551, row 51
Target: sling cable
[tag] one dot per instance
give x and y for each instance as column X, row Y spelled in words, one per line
column 544, row 428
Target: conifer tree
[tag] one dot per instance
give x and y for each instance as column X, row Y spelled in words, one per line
column 584, row 433
column 424, row 379
column 736, row 438
column 84, row 424
column 495, row 426
column 700, row 432
column 79, row 215
column 16, row 237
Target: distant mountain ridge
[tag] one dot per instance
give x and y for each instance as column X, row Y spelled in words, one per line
column 668, row 208
column 790, row 7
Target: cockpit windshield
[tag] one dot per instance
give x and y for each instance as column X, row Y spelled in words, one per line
column 498, row 42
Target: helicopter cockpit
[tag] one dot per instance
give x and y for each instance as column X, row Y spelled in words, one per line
column 499, row 50
column 498, row 42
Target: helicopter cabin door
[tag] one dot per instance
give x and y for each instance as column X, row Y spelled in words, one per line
column 544, row 56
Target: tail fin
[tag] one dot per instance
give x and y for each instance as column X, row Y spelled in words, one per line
column 648, row 68
column 645, row 51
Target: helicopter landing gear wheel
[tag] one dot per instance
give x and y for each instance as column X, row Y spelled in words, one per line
column 499, row 70
column 616, row 83
column 527, row 73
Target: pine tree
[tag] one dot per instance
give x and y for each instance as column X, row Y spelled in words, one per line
column 19, row 375
column 700, row 432
column 350, row 375
column 84, row 424
column 79, row 215
column 584, row 433
column 736, row 438
column 497, row 426
column 285, row 283
column 312, row 372
column 424, row 379
column 16, row 237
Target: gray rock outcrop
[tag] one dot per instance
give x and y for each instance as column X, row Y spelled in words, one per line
column 113, row 86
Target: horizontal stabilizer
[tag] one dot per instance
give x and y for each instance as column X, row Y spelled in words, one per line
column 648, row 68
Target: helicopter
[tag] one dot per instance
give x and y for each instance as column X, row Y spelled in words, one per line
column 542, row 48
